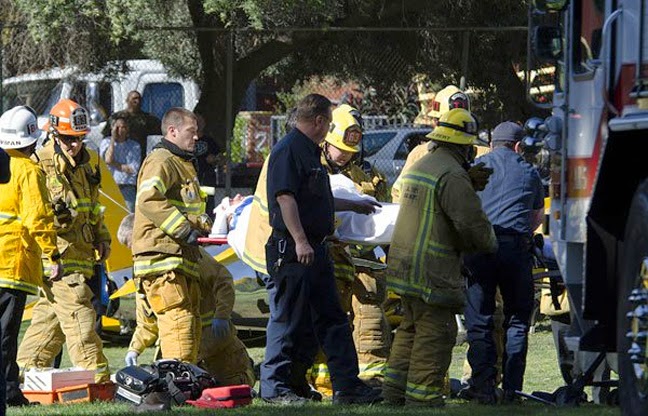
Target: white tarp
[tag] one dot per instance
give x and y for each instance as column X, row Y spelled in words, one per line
column 373, row 229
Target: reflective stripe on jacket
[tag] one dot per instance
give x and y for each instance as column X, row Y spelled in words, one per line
column 75, row 184
column 217, row 301
column 168, row 202
column 440, row 217
column 26, row 226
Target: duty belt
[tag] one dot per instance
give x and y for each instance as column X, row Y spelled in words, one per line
column 312, row 240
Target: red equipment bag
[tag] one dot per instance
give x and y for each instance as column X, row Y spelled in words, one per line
column 224, row 397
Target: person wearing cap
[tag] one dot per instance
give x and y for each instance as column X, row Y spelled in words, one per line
column 513, row 200
column 26, row 234
column 64, row 311
column 440, row 218
column 361, row 290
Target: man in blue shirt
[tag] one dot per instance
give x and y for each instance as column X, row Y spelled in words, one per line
column 123, row 156
column 302, row 293
column 513, row 200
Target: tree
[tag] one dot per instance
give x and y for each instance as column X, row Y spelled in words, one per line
column 77, row 32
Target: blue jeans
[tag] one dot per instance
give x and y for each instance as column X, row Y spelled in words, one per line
column 305, row 313
column 510, row 268
column 130, row 194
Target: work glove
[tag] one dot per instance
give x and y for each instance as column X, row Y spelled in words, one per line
column 479, row 175
column 205, row 223
column 220, row 328
column 62, row 214
column 192, row 238
column 131, row 358
column 190, row 235
column 103, row 250
column 56, row 271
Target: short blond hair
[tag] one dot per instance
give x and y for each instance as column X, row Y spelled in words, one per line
column 176, row 116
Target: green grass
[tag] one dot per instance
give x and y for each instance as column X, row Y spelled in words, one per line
column 542, row 374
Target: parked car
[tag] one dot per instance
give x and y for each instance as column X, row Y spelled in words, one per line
column 387, row 149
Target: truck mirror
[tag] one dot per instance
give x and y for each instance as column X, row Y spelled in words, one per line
column 549, row 6
column 547, row 43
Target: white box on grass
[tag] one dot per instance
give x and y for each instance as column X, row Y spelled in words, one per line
column 52, row 379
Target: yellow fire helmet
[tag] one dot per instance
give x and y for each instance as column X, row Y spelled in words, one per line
column 457, row 126
column 345, row 132
column 448, row 98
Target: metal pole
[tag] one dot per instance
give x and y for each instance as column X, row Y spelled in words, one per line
column 229, row 122
column 465, row 56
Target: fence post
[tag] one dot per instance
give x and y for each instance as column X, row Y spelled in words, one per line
column 229, row 122
column 465, row 55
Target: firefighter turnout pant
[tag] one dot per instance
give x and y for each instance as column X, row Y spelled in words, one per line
column 226, row 359
column 371, row 331
column 64, row 314
column 421, row 355
column 175, row 301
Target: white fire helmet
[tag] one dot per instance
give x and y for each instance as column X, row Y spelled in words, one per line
column 18, row 128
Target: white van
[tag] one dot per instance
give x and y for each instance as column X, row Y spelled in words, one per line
column 102, row 94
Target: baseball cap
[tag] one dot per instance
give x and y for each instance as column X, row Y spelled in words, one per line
column 507, row 131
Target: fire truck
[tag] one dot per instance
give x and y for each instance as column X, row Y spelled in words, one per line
column 597, row 135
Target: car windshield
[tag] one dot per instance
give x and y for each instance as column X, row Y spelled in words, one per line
column 39, row 95
column 373, row 141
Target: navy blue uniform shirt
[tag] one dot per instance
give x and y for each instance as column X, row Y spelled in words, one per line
column 295, row 168
column 513, row 191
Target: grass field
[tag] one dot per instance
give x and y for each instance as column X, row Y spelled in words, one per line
column 542, row 374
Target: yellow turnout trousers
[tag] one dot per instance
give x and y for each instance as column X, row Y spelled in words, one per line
column 64, row 314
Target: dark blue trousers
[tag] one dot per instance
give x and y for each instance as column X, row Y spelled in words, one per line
column 12, row 306
column 510, row 269
column 305, row 313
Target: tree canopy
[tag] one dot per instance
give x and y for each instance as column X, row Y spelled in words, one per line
column 288, row 40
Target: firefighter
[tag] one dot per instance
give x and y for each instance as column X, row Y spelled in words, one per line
column 362, row 292
column 26, row 233
column 448, row 98
column 221, row 352
column 440, row 217
column 168, row 222
column 64, row 311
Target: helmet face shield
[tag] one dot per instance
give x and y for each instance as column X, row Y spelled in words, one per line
column 470, row 127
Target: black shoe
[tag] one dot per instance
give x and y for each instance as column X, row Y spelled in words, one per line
column 314, row 395
column 286, row 399
column 510, row 397
column 360, row 394
column 485, row 396
column 307, row 391
column 19, row 400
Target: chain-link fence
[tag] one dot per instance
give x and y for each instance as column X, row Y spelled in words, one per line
column 242, row 88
